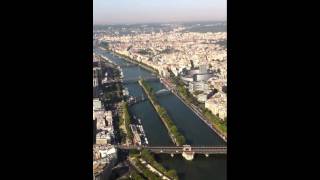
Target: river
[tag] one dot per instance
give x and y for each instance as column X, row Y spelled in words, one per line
column 188, row 123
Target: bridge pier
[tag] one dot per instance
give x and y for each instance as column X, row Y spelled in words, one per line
column 187, row 152
column 188, row 155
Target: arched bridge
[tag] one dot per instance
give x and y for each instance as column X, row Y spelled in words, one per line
column 162, row 91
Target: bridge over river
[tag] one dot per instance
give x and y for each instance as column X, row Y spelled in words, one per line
column 132, row 80
column 187, row 151
column 135, row 80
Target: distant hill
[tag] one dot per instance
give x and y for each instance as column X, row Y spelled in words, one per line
column 205, row 27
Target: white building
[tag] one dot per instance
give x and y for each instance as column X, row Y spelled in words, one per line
column 202, row 97
column 198, row 86
column 217, row 104
column 110, row 152
column 97, row 104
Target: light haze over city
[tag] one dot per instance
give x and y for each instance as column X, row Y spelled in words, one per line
column 148, row 11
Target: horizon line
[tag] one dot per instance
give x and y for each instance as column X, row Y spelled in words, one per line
column 158, row 22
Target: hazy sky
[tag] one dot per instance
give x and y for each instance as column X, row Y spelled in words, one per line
column 136, row 11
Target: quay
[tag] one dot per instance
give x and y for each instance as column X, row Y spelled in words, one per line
column 223, row 137
column 134, row 62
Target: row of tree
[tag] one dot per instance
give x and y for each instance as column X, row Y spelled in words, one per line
column 145, row 171
column 149, row 158
column 171, row 127
column 135, row 175
column 218, row 123
column 125, row 121
column 183, row 91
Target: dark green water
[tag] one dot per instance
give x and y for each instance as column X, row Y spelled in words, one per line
column 188, row 123
column 201, row 167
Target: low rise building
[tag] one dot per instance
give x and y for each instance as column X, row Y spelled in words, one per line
column 217, row 104
column 97, row 104
column 103, row 137
column 105, row 160
column 198, row 86
column 202, row 97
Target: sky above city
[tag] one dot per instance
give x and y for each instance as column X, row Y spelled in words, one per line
column 144, row 11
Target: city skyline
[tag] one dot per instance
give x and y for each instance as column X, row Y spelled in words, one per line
column 155, row 11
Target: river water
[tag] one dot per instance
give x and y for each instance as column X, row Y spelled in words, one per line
column 188, row 123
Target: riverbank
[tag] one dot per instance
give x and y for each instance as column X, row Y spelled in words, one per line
column 141, row 64
column 125, row 132
column 210, row 123
column 146, row 163
column 212, row 127
column 212, row 167
column 176, row 136
column 219, row 131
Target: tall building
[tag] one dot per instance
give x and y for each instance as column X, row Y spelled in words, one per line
column 96, row 81
column 96, row 76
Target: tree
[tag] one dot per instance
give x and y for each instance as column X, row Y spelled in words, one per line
column 135, row 175
column 172, row 173
column 174, row 129
column 145, row 154
column 181, row 139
